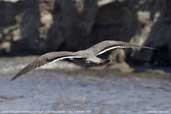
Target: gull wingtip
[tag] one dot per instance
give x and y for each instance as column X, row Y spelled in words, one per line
column 15, row 77
column 153, row 48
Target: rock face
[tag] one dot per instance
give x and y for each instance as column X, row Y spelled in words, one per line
column 72, row 25
column 29, row 24
column 115, row 21
column 82, row 22
column 160, row 33
column 154, row 20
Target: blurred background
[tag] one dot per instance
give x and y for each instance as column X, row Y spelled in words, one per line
column 29, row 28
column 37, row 26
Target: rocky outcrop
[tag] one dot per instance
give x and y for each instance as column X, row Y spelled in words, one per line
column 72, row 25
column 48, row 25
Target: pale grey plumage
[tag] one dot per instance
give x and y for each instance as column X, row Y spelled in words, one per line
column 44, row 59
column 108, row 45
column 89, row 54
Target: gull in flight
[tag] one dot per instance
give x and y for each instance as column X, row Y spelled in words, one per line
column 90, row 55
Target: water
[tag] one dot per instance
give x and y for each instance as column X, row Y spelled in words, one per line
column 78, row 91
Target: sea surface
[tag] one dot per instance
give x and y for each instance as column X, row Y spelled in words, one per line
column 63, row 88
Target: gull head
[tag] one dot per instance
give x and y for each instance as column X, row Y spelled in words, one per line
column 90, row 57
column 94, row 59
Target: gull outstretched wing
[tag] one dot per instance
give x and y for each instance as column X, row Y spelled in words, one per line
column 108, row 45
column 44, row 59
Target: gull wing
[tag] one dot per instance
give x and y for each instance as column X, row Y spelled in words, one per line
column 44, row 59
column 108, row 45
